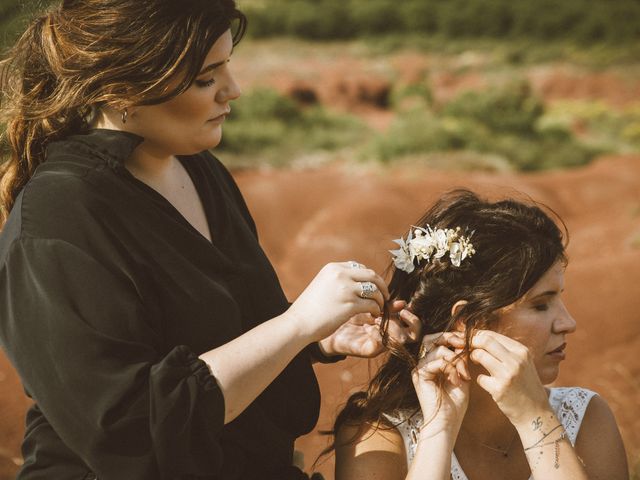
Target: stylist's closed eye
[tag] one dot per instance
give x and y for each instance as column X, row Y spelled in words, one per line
column 205, row 83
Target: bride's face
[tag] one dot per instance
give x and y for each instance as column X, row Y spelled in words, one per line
column 541, row 322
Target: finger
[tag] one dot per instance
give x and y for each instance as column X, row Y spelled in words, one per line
column 508, row 343
column 364, row 291
column 461, row 365
column 440, row 352
column 487, row 383
column 364, row 319
column 368, row 275
column 493, row 365
column 431, row 370
column 397, row 305
column 451, row 339
column 396, row 332
column 412, row 323
column 486, row 340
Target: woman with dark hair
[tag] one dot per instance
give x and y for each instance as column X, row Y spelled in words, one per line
column 485, row 278
column 135, row 301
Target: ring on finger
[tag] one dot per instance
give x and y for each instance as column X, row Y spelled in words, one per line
column 367, row 289
column 424, row 351
column 353, row 264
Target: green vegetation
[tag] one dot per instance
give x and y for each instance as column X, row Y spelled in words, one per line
column 14, row 16
column 267, row 126
column 582, row 21
column 506, row 128
column 504, row 123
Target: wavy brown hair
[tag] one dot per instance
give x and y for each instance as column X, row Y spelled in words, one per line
column 515, row 243
column 82, row 55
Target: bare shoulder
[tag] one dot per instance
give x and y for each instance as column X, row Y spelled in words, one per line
column 370, row 451
column 599, row 443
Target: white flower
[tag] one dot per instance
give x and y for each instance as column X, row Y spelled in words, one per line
column 429, row 243
column 403, row 256
column 455, row 253
column 422, row 246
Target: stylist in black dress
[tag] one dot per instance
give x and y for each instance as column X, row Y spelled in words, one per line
column 135, row 301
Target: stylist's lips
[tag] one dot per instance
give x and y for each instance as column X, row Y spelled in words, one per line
column 558, row 353
column 220, row 118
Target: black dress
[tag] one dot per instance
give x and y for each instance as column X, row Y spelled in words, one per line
column 107, row 296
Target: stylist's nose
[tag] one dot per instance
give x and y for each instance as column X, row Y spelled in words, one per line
column 230, row 90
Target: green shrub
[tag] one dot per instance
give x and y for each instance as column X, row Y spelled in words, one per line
column 579, row 21
column 511, row 109
column 264, row 121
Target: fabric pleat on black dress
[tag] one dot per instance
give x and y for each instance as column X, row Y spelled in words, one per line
column 107, row 297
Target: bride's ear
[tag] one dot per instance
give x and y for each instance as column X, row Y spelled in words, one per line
column 460, row 325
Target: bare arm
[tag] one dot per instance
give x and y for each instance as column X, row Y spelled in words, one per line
column 372, row 454
column 599, row 443
column 245, row 366
column 549, row 452
column 379, row 453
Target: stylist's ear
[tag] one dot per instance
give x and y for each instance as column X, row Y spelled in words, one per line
column 459, row 326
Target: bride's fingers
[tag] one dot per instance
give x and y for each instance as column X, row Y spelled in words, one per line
column 431, row 370
column 450, row 339
column 493, row 365
column 461, row 365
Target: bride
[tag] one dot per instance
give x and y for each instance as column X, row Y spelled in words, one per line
column 470, row 402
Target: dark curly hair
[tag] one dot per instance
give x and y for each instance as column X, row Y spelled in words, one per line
column 515, row 243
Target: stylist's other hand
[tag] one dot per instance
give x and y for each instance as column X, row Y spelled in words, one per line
column 333, row 297
column 512, row 379
column 360, row 336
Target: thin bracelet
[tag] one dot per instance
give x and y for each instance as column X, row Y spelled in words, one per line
column 546, row 435
column 552, row 442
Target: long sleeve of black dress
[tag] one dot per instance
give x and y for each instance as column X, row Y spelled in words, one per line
column 107, row 296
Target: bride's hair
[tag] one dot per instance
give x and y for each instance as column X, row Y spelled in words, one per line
column 515, row 244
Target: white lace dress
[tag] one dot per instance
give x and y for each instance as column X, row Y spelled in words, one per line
column 568, row 403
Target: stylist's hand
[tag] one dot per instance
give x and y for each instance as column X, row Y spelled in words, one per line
column 441, row 382
column 513, row 380
column 333, row 297
column 360, row 336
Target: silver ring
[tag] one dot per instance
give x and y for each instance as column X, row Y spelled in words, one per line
column 353, row 264
column 367, row 289
column 424, row 351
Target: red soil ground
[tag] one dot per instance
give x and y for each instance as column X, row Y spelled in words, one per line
column 308, row 218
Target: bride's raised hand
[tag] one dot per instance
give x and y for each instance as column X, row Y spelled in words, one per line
column 441, row 382
column 513, row 380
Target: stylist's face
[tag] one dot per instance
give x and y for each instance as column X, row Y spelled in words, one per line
column 192, row 121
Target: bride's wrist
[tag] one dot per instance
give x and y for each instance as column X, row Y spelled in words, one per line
column 442, row 436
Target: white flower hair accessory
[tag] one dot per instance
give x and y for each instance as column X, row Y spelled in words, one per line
column 427, row 243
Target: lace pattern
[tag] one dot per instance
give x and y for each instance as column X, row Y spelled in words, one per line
column 568, row 403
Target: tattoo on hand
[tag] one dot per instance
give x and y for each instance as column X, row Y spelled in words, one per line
column 537, row 424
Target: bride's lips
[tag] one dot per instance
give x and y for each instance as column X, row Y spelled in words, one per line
column 558, row 352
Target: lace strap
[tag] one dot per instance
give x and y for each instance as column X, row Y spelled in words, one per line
column 570, row 405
